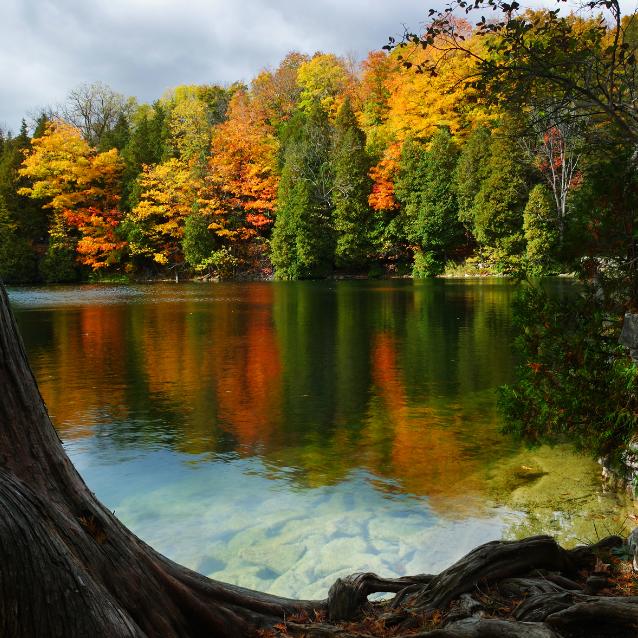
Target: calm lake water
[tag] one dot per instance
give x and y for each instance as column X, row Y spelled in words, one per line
column 279, row 435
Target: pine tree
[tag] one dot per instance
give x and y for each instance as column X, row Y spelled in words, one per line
column 471, row 170
column 427, row 192
column 498, row 207
column 27, row 217
column 302, row 244
column 352, row 187
column 540, row 230
column 17, row 260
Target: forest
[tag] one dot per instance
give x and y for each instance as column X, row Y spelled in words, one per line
column 403, row 164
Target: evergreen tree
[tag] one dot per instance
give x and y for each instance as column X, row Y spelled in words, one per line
column 303, row 241
column 41, row 125
column 540, row 230
column 498, row 206
column 17, row 260
column 351, row 190
column 24, row 215
column 426, row 190
column 146, row 145
column 116, row 137
column 471, row 171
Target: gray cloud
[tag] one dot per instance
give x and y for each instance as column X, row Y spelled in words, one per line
column 143, row 47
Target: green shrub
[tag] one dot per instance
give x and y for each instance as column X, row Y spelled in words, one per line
column 426, row 264
column 222, row 262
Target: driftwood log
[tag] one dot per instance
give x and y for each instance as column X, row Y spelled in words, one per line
column 69, row 568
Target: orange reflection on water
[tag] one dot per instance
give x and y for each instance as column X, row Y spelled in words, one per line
column 249, row 379
column 86, row 341
column 426, row 452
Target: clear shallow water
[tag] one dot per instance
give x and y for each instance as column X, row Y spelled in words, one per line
column 279, row 435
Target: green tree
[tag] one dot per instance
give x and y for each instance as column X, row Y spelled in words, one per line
column 303, row 240
column 17, row 259
column 471, row 171
column 426, row 191
column 25, row 217
column 351, row 190
column 498, row 206
column 198, row 242
column 541, row 235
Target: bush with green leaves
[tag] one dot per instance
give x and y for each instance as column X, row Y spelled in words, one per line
column 575, row 383
column 58, row 265
column 198, row 242
column 222, row 262
column 426, row 264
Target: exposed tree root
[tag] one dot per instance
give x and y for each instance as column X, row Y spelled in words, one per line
column 531, row 588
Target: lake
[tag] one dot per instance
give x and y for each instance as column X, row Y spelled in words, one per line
column 279, row 435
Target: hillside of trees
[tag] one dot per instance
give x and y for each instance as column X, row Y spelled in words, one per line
column 324, row 167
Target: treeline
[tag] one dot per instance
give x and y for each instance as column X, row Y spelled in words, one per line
column 320, row 167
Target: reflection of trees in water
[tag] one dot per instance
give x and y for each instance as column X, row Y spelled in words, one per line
column 323, row 378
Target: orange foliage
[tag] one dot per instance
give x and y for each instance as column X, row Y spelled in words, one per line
column 240, row 188
column 420, row 102
column 82, row 188
column 425, row 453
column 383, row 173
column 374, row 89
column 275, row 93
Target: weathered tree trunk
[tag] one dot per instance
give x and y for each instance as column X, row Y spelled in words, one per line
column 68, row 567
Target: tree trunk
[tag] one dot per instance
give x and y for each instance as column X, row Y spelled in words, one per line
column 68, row 567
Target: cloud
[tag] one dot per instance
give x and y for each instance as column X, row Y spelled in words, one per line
column 143, row 47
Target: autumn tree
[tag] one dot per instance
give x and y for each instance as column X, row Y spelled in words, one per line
column 81, row 187
column 378, row 70
column 275, row 94
column 155, row 227
column 323, row 80
column 351, row 190
column 240, row 187
column 190, row 130
column 387, row 228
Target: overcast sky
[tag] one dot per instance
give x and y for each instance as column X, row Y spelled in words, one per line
column 143, row 47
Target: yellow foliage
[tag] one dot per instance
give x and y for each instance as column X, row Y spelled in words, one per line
column 168, row 194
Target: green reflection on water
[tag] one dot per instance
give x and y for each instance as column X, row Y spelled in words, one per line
column 316, row 382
